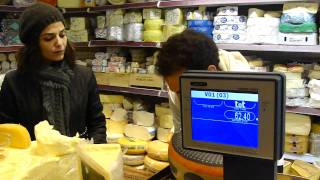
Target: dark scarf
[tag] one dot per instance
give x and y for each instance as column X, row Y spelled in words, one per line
column 55, row 80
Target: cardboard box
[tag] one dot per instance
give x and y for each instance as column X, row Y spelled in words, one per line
column 113, row 79
column 146, row 80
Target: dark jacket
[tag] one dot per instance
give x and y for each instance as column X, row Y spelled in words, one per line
column 21, row 102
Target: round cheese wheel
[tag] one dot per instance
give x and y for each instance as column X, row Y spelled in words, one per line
column 152, row 36
column 153, row 24
column 158, row 150
column 154, row 165
column 133, row 146
column 133, row 160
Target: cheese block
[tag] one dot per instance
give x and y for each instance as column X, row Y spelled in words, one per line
column 109, row 108
column 132, row 146
column 112, row 99
column 132, row 17
column 154, row 165
column 69, row 4
column 116, row 126
column 19, row 135
column 286, row 167
column 119, row 114
column 143, row 118
column 298, row 148
column 255, row 12
column 293, row 75
column 77, row 36
column 291, row 138
column 133, row 160
column 295, row 83
column 174, row 17
column 3, row 57
column 158, row 150
column 170, row 30
column 314, row 74
column 272, row 14
column 166, row 121
column 140, row 132
column 153, row 24
column 280, row 68
column 113, row 137
column 105, row 159
column 296, row 68
column 152, row 36
column 297, row 124
column 160, row 110
column 51, row 142
column 305, row 169
column 127, row 103
column 77, row 23
column 164, row 135
column 151, row 13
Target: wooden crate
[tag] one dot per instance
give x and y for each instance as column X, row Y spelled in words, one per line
column 146, row 80
column 131, row 173
column 113, row 79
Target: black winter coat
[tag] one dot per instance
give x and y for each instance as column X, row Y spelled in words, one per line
column 21, row 102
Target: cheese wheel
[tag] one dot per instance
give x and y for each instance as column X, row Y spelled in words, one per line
column 161, row 110
column 296, row 68
column 153, row 24
column 154, row 165
column 132, row 146
column 19, row 135
column 158, row 150
column 133, row 160
column 152, row 36
column 140, row 132
column 112, row 138
column 280, row 68
column 119, row 114
column 111, row 99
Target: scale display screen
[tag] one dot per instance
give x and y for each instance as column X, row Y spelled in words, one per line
column 227, row 118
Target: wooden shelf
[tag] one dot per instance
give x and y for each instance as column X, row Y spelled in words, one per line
column 97, row 43
column 134, row 90
column 125, row 6
column 193, row 3
column 10, row 48
column 10, row 8
column 304, row 110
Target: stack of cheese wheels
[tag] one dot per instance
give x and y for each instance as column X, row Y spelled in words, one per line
column 157, row 156
column 152, row 25
column 165, row 122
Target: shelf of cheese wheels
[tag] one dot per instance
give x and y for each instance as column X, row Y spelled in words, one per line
column 143, row 131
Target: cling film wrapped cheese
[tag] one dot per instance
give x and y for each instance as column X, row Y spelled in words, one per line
column 132, row 146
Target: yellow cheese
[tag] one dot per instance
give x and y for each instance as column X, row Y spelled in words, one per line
column 132, row 17
column 127, row 103
column 315, row 128
column 280, row 68
column 297, row 124
column 116, row 126
column 286, row 167
column 69, row 4
column 133, row 160
column 78, row 36
column 105, row 159
column 112, row 138
column 133, row 146
column 3, row 57
column 158, row 150
column 109, row 108
column 117, row 2
column 160, row 110
column 299, row 148
column 152, row 36
column 153, row 24
column 291, row 138
column 164, row 135
column 293, row 75
column 314, row 74
column 115, row 20
column 166, row 121
column 111, row 99
column 306, row 170
column 20, row 137
column 119, row 114
column 151, row 13
column 154, row 165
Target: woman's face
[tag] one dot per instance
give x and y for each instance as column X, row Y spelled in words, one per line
column 53, row 42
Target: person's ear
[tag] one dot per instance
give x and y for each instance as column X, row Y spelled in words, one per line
column 212, row 68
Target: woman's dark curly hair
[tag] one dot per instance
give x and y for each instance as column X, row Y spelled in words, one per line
column 188, row 50
column 29, row 58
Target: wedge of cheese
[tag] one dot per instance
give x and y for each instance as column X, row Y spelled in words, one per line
column 143, row 118
column 140, row 132
column 119, row 114
column 19, row 135
column 105, row 159
column 297, row 124
column 116, row 126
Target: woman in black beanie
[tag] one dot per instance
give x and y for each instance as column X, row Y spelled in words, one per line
column 47, row 84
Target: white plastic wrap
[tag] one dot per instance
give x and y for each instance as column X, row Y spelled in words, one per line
column 134, row 32
column 24, row 3
column 297, row 92
column 314, row 89
column 132, row 17
column 100, row 33
column 115, row 33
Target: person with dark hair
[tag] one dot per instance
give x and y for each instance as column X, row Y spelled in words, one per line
column 188, row 50
column 47, row 84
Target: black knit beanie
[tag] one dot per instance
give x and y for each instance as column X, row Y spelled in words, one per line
column 36, row 18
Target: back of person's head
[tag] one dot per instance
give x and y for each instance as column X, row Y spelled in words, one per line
column 188, row 50
column 33, row 21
